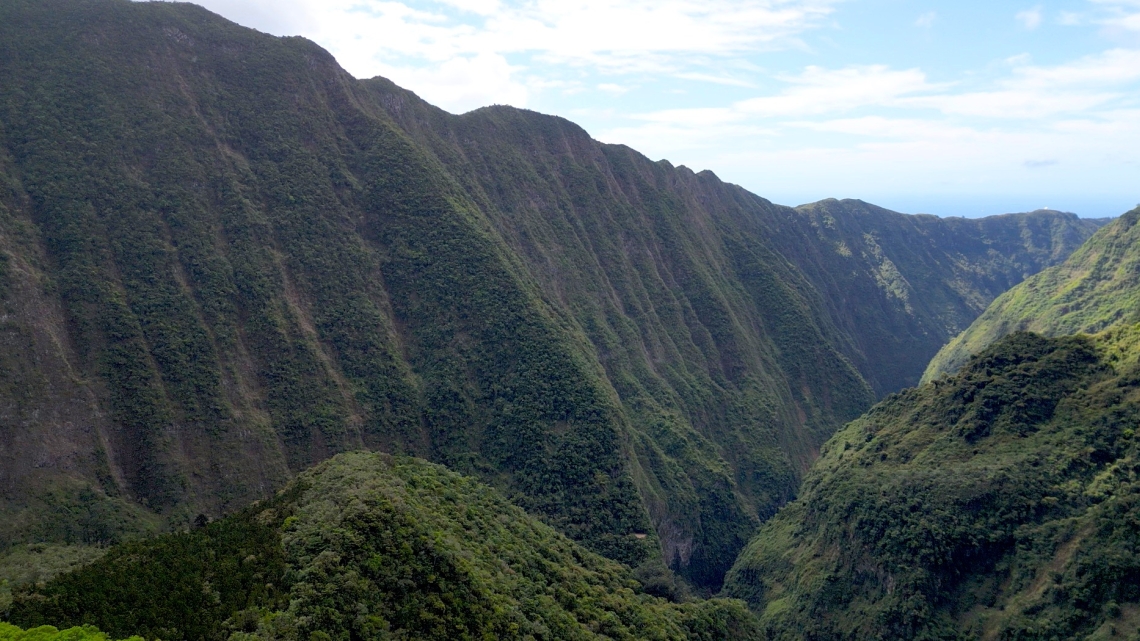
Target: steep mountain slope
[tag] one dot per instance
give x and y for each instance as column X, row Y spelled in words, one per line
column 1000, row 503
column 1096, row 288
column 224, row 260
column 892, row 287
column 935, row 274
column 367, row 546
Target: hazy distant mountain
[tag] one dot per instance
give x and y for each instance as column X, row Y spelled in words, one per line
column 224, row 260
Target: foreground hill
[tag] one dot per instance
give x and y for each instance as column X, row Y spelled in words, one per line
column 1000, row 503
column 1096, row 288
column 367, row 546
column 223, row 260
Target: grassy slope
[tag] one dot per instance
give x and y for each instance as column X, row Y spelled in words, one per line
column 224, row 260
column 1096, row 288
column 371, row 546
column 1000, row 503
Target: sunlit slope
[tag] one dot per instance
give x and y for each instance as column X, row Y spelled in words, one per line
column 1002, row 502
column 225, row 260
column 373, row 547
column 1096, row 288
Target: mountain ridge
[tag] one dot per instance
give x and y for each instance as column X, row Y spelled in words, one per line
column 1094, row 289
column 227, row 260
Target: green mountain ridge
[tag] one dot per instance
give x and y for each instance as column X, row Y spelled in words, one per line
column 1096, row 288
column 999, row 499
column 372, row 546
column 224, row 260
column 1002, row 502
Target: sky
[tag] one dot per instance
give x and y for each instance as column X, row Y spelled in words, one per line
column 963, row 108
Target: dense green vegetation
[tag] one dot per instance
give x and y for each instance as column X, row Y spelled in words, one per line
column 372, row 546
column 10, row 632
column 38, row 562
column 1096, row 288
column 1000, row 503
column 936, row 274
column 223, row 259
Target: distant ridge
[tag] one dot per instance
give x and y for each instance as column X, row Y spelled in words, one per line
column 1096, row 288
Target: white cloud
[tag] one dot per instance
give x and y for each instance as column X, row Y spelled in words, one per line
column 612, row 88
column 1030, row 19
column 1013, row 104
column 863, row 124
column 1119, row 14
column 463, row 83
column 1038, row 92
column 714, row 79
column 818, row 91
column 433, row 46
column 1115, row 66
column 479, row 7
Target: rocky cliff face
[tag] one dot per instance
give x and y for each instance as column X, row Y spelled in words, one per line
column 224, row 259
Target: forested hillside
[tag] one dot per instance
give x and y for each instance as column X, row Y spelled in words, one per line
column 367, row 546
column 1000, row 503
column 997, row 502
column 1096, row 288
column 223, row 260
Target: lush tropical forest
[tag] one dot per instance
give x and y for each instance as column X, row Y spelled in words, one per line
column 998, row 502
column 1096, row 288
column 369, row 546
column 225, row 260
column 289, row 354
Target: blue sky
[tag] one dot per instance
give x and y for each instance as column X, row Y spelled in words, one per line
column 953, row 108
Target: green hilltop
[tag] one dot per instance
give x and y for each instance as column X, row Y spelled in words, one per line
column 369, row 546
column 9, row 632
column 224, row 260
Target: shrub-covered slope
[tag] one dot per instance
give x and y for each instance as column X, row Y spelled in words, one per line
column 1000, row 503
column 1096, row 288
column 223, row 259
column 367, row 546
